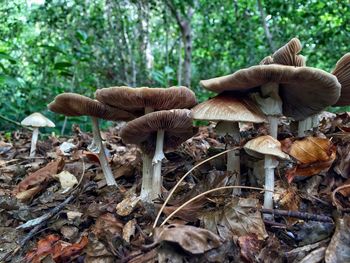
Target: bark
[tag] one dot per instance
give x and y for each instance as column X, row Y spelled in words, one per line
column 266, row 27
column 184, row 23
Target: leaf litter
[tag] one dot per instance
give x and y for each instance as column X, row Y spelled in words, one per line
column 97, row 223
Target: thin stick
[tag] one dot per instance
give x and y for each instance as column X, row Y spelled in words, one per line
column 334, row 200
column 297, row 214
column 14, row 122
column 207, row 192
column 183, row 177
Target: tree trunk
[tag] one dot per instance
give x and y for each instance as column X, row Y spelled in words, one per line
column 184, row 23
column 266, row 27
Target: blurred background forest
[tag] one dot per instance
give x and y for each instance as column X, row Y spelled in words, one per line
column 52, row 46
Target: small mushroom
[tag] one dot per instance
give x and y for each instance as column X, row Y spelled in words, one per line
column 154, row 133
column 268, row 148
column 229, row 109
column 36, row 120
column 147, row 100
column 296, row 87
column 71, row 104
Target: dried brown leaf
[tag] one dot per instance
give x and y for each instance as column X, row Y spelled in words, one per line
column 250, row 246
column 192, row 239
column 239, row 217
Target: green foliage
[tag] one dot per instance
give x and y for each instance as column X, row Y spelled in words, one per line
column 78, row 46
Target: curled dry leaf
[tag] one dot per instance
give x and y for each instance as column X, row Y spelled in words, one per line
column 37, row 180
column 192, row 239
column 129, row 230
column 313, row 155
column 338, row 250
column 43, row 248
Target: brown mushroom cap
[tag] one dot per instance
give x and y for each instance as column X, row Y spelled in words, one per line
column 305, row 91
column 132, row 99
column 229, row 107
column 287, row 55
column 72, row 104
column 342, row 72
column 142, row 131
column 265, row 145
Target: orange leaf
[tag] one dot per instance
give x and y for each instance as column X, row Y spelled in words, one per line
column 64, row 251
column 311, row 149
column 43, row 249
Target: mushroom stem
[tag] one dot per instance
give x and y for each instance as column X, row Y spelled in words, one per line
column 157, row 164
column 101, row 153
column 34, row 141
column 146, row 186
column 308, row 124
column 271, row 104
column 269, row 165
column 233, row 164
column 273, row 128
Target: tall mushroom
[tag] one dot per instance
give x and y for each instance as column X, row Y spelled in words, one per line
column 269, row 148
column 296, row 87
column 147, row 100
column 72, row 104
column 154, row 133
column 228, row 109
column 36, row 120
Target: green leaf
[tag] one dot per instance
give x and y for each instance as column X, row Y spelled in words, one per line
column 3, row 55
column 62, row 65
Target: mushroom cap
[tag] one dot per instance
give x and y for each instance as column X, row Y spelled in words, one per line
column 342, row 72
column 298, row 87
column 72, row 104
column 132, row 99
column 37, row 120
column 265, row 145
column 287, row 55
column 229, row 107
column 142, row 131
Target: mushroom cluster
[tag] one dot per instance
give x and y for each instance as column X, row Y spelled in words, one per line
column 163, row 123
column 161, row 119
column 281, row 85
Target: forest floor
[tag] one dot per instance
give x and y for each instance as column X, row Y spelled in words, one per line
column 56, row 207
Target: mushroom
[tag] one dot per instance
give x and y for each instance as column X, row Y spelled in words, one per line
column 287, row 55
column 72, row 104
column 147, row 100
column 296, row 87
column 36, row 120
column 342, row 72
column 154, row 133
column 228, row 109
column 269, row 148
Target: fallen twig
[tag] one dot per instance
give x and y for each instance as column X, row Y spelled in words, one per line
column 297, row 214
column 14, row 122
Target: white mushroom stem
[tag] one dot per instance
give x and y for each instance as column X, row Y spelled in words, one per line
column 271, row 104
column 233, row 157
column 147, row 172
column 270, row 164
column 146, row 186
column 34, row 141
column 157, row 164
column 307, row 124
column 101, row 153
